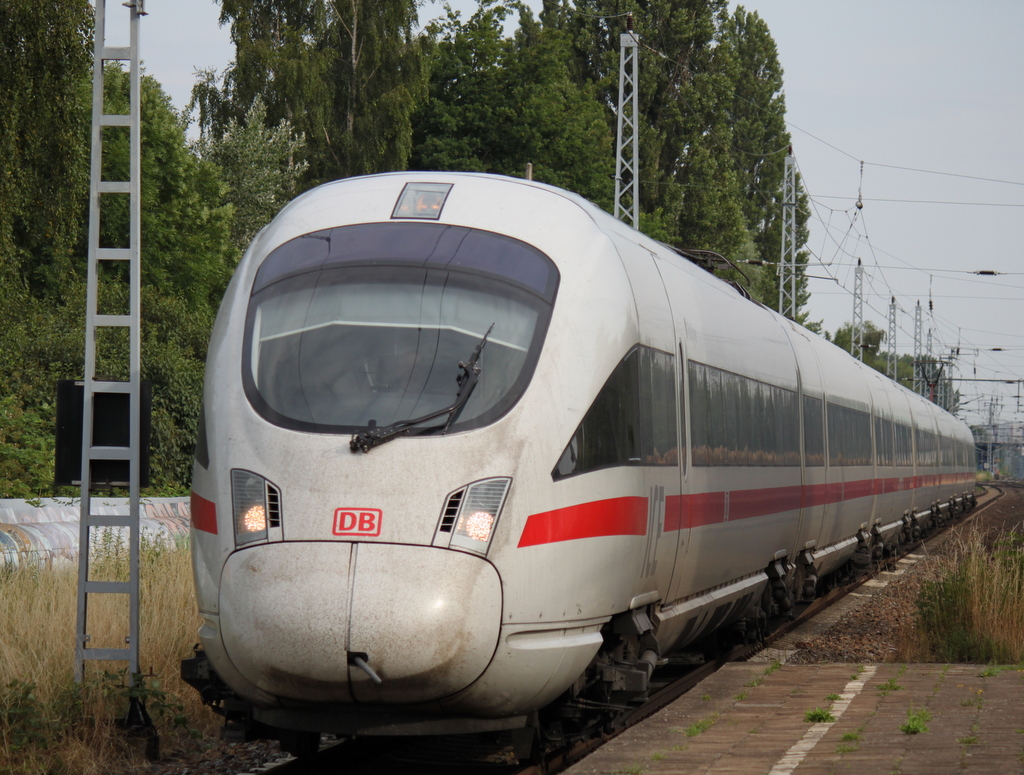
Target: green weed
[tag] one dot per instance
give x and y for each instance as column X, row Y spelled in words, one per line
column 916, row 721
column 889, row 686
column 819, row 716
column 701, row 725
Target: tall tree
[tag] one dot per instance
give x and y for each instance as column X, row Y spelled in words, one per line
column 187, row 260
column 186, row 221
column 760, row 144
column 258, row 164
column 187, row 257
column 688, row 189
column 45, row 50
column 347, row 74
column 495, row 104
column 378, row 80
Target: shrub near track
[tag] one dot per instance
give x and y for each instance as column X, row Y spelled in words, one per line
column 48, row 723
column 974, row 610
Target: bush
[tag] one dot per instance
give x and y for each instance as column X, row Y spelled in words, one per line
column 975, row 611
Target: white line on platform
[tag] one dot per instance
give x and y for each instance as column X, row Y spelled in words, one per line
column 800, row 749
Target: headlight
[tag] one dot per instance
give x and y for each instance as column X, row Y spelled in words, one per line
column 249, row 501
column 478, row 514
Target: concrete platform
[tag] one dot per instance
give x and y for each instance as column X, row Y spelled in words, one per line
column 751, row 718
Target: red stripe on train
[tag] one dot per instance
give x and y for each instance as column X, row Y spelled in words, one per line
column 612, row 517
column 204, row 514
column 628, row 515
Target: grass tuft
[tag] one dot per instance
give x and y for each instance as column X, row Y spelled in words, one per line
column 916, row 721
column 819, row 716
column 702, row 725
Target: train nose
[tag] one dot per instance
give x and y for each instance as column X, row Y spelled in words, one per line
column 297, row 618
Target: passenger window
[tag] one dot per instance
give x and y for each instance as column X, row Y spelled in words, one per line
column 814, row 432
column 849, row 436
column 883, row 442
column 738, row 421
column 631, row 422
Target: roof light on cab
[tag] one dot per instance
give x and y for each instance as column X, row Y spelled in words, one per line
column 422, row 200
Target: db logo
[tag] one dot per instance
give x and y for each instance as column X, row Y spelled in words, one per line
column 363, row 522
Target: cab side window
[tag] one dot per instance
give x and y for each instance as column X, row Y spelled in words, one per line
column 631, row 422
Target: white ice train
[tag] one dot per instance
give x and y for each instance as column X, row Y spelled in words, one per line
column 471, row 447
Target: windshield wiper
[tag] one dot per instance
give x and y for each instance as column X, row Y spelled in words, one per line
column 372, row 437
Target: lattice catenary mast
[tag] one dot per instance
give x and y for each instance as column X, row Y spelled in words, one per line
column 857, row 332
column 891, row 365
column 627, row 149
column 919, row 382
column 787, row 261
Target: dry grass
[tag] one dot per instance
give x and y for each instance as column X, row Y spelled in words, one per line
column 972, row 608
column 49, row 724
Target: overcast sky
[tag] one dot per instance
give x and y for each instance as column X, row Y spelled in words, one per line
column 909, row 88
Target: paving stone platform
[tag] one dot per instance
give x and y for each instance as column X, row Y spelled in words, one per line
column 751, row 719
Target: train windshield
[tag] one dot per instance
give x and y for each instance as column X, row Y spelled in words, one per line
column 364, row 326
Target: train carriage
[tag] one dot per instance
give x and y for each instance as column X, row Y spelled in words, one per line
column 471, row 447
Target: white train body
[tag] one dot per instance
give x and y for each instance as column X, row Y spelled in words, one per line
column 641, row 438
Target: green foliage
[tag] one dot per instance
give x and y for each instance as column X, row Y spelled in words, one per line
column 261, row 166
column 889, row 686
column 22, row 719
column 713, row 139
column 917, row 721
column 760, row 142
column 41, row 341
column 346, row 75
column 162, row 705
column 701, row 725
column 874, row 355
column 187, row 258
column 26, row 450
column 684, row 129
column 45, row 49
column 973, row 612
column 819, row 716
column 495, row 104
column 186, row 223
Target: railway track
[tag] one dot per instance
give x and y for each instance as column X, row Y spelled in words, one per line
column 466, row 755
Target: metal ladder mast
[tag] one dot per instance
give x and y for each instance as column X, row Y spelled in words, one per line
column 787, row 262
column 95, row 320
column 627, row 148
